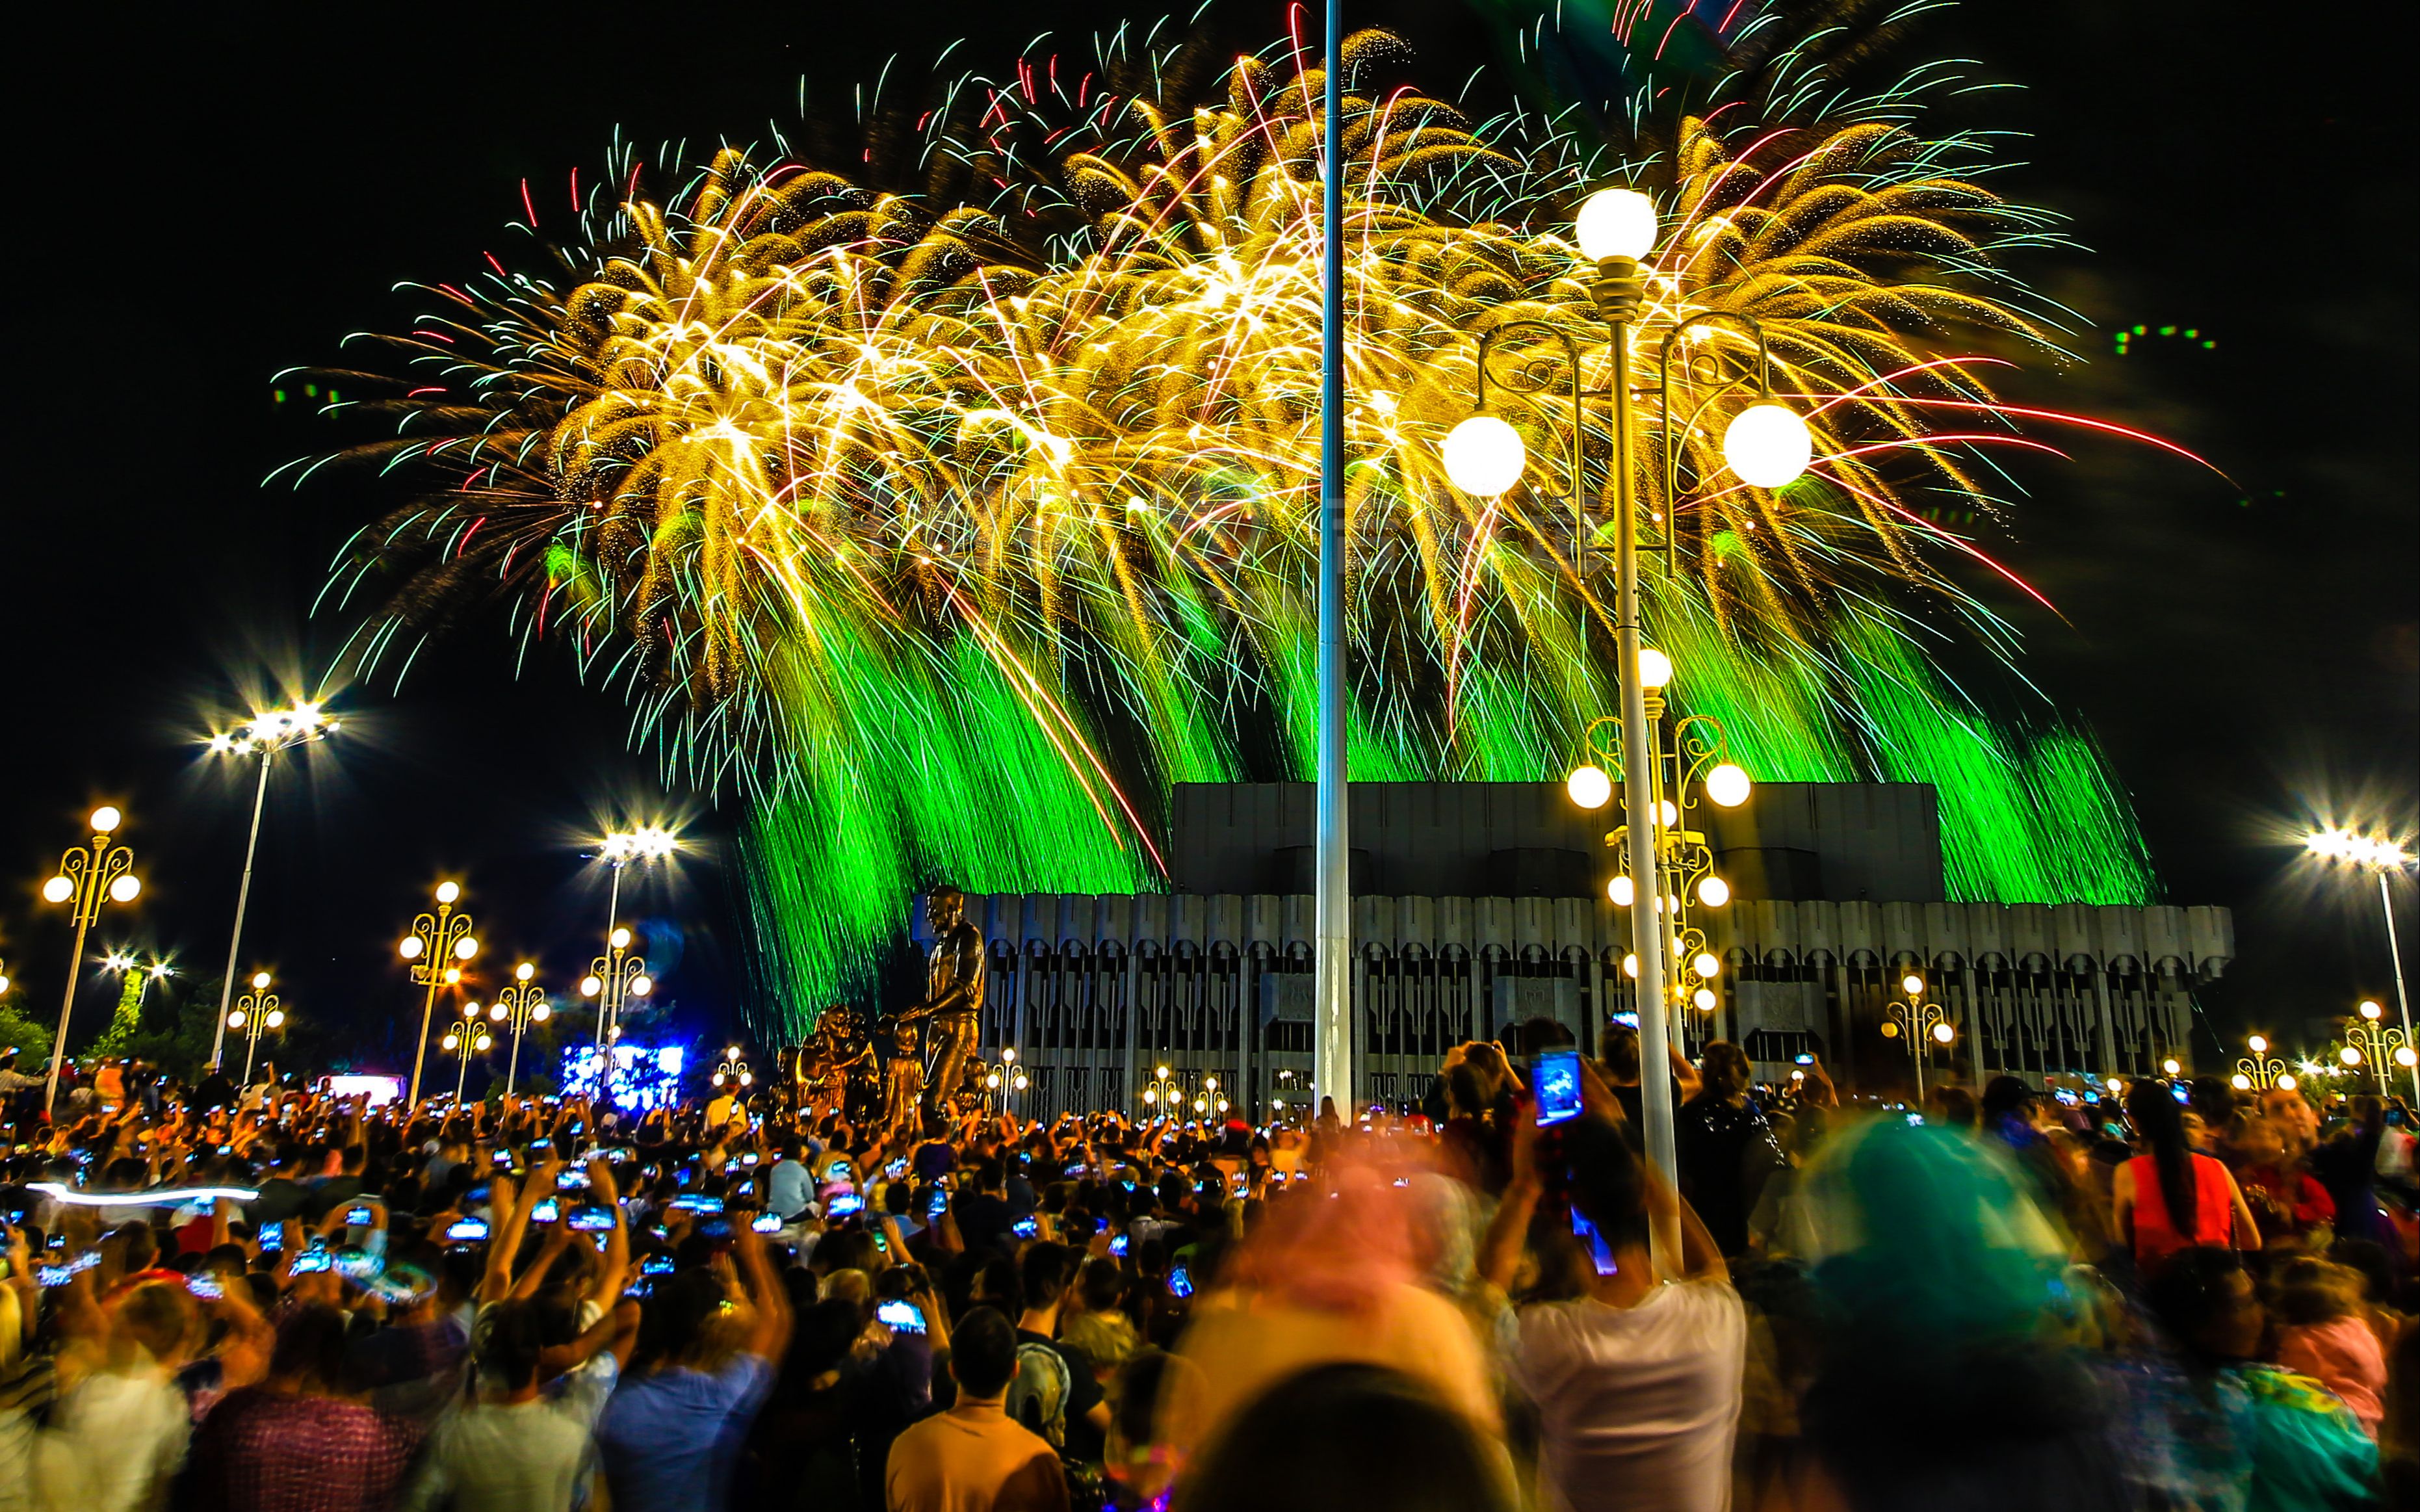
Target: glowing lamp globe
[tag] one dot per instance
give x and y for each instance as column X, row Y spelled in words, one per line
column 1163, row 1073
column 2285, row 1083
column 1654, row 667
column 1705, row 1000
column 259, row 980
column 2349, row 1055
column 105, row 819
column 449, row 1041
column 539, row 1014
column 1616, row 223
column 1484, row 456
column 643, row 985
column 234, row 1019
column 524, row 972
column 1768, row 445
column 1714, row 892
column 2407, row 1057
column 58, row 889
column 448, row 892
column 2171, row 1066
column 481, row 1044
column 1728, row 785
column 620, row 940
column 2370, row 1010
column 409, row 949
column 276, row 1017
column 1590, row 786
column 1620, row 891
column 495, row 1012
column 124, row 889
column 1630, row 966
column 1912, row 984
column 467, row 946
column 2259, row 1044
column 1890, row 1030
column 2241, row 1082
column 1943, row 1032
column 590, row 987
column 1707, row 964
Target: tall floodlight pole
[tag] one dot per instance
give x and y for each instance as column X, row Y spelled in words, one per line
column 267, row 734
column 2383, row 857
column 1332, row 1059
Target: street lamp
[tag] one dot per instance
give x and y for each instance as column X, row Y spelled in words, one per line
column 254, row 1013
column 268, row 733
column 1007, row 1080
column 648, row 843
column 90, row 874
column 521, row 1004
column 1484, row 456
column 612, row 978
column 1163, row 1094
column 465, row 1039
column 2261, row 1071
column 437, row 946
column 2386, row 858
column 2367, row 1040
column 734, row 1071
column 1920, row 1023
column 1697, row 769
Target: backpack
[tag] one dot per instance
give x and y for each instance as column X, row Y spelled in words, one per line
column 1037, row 1398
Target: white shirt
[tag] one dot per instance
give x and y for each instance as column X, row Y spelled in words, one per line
column 528, row 1457
column 113, row 1445
column 1639, row 1405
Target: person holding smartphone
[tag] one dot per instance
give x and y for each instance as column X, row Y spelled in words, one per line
column 1638, row 1382
column 670, row 1439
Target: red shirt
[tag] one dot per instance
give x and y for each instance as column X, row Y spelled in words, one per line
column 2285, row 1200
column 2156, row 1236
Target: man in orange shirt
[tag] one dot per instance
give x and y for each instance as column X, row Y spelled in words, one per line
column 972, row 1458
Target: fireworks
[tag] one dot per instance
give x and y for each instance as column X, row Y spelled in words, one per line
column 953, row 528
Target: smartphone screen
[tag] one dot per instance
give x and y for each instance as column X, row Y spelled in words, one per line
column 1559, row 1086
column 1180, row 1280
column 904, row 1315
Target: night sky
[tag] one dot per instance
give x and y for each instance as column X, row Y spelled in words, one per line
column 204, row 200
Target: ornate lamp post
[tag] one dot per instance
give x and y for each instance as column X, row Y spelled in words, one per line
column 1766, row 446
column 2386, row 859
column 1006, row 1080
column 612, row 978
column 521, row 1004
column 267, row 734
column 90, row 874
column 1208, row 1101
column 465, row 1039
column 1162, row 1093
column 734, row 1072
column 2369, row 1043
column 2260, row 1071
column 437, row 946
column 254, row 1013
column 1695, row 768
column 1921, row 1023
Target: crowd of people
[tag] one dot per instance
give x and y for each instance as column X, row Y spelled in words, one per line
column 2175, row 1296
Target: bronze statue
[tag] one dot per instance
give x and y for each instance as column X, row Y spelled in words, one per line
column 835, row 1071
column 902, row 1105
column 954, row 995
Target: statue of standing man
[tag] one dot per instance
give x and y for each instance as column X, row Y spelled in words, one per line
column 954, row 993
